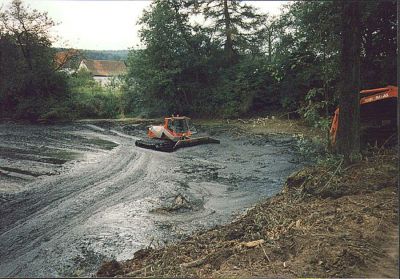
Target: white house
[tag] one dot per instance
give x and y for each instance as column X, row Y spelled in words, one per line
column 103, row 70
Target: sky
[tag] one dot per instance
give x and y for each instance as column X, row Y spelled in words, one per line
column 100, row 24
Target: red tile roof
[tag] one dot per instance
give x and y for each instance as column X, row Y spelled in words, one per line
column 61, row 58
column 105, row 67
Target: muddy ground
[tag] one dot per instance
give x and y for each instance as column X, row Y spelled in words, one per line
column 75, row 195
column 330, row 221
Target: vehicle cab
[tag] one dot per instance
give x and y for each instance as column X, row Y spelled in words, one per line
column 174, row 128
column 178, row 126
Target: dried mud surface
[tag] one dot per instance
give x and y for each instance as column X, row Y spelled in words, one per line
column 75, row 195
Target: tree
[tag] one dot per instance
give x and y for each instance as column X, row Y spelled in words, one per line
column 348, row 139
column 29, row 87
column 235, row 24
column 379, row 44
column 240, row 61
column 30, row 29
column 305, row 56
column 165, row 76
column 268, row 35
column 306, row 53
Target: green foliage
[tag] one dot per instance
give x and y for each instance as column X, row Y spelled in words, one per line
column 244, row 62
column 314, row 108
column 311, row 149
column 240, row 63
column 306, row 55
column 183, row 67
column 244, row 86
column 88, row 99
column 379, row 44
column 235, row 26
column 167, row 75
column 29, row 86
column 307, row 51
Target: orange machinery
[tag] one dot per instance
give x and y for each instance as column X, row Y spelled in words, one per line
column 378, row 112
column 176, row 132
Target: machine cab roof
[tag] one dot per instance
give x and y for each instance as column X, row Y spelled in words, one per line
column 177, row 117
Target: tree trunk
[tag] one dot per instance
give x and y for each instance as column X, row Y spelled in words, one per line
column 326, row 95
column 348, row 140
column 269, row 46
column 398, row 80
column 228, row 32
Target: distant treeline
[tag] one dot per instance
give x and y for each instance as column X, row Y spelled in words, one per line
column 101, row 54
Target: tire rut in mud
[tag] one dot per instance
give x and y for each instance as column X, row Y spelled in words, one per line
column 104, row 204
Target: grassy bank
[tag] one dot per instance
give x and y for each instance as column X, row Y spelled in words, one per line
column 328, row 221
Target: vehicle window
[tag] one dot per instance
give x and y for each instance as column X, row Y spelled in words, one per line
column 180, row 126
column 191, row 127
column 169, row 125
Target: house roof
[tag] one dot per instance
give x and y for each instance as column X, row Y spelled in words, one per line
column 105, row 67
column 62, row 58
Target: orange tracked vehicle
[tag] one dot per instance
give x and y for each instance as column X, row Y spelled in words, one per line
column 378, row 115
column 176, row 132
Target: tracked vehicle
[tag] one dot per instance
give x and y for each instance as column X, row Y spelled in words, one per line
column 176, row 132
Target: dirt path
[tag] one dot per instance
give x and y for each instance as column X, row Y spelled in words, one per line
column 72, row 196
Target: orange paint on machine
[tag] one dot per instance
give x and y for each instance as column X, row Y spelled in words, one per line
column 174, row 133
column 378, row 109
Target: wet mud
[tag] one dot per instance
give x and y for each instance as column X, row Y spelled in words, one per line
column 74, row 195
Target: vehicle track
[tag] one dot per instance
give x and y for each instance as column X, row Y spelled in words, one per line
column 71, row 197
column 101, row 206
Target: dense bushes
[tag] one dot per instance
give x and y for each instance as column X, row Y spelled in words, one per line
column 91, row 100
column 86, row 98
column 290, row 62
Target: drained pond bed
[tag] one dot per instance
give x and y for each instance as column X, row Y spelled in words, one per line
column 77, row 194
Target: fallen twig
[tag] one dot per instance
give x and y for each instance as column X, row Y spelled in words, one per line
column 330, row 179
column 195, row 263
column 241, row 120
column 265, row 253
column 138, row 272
